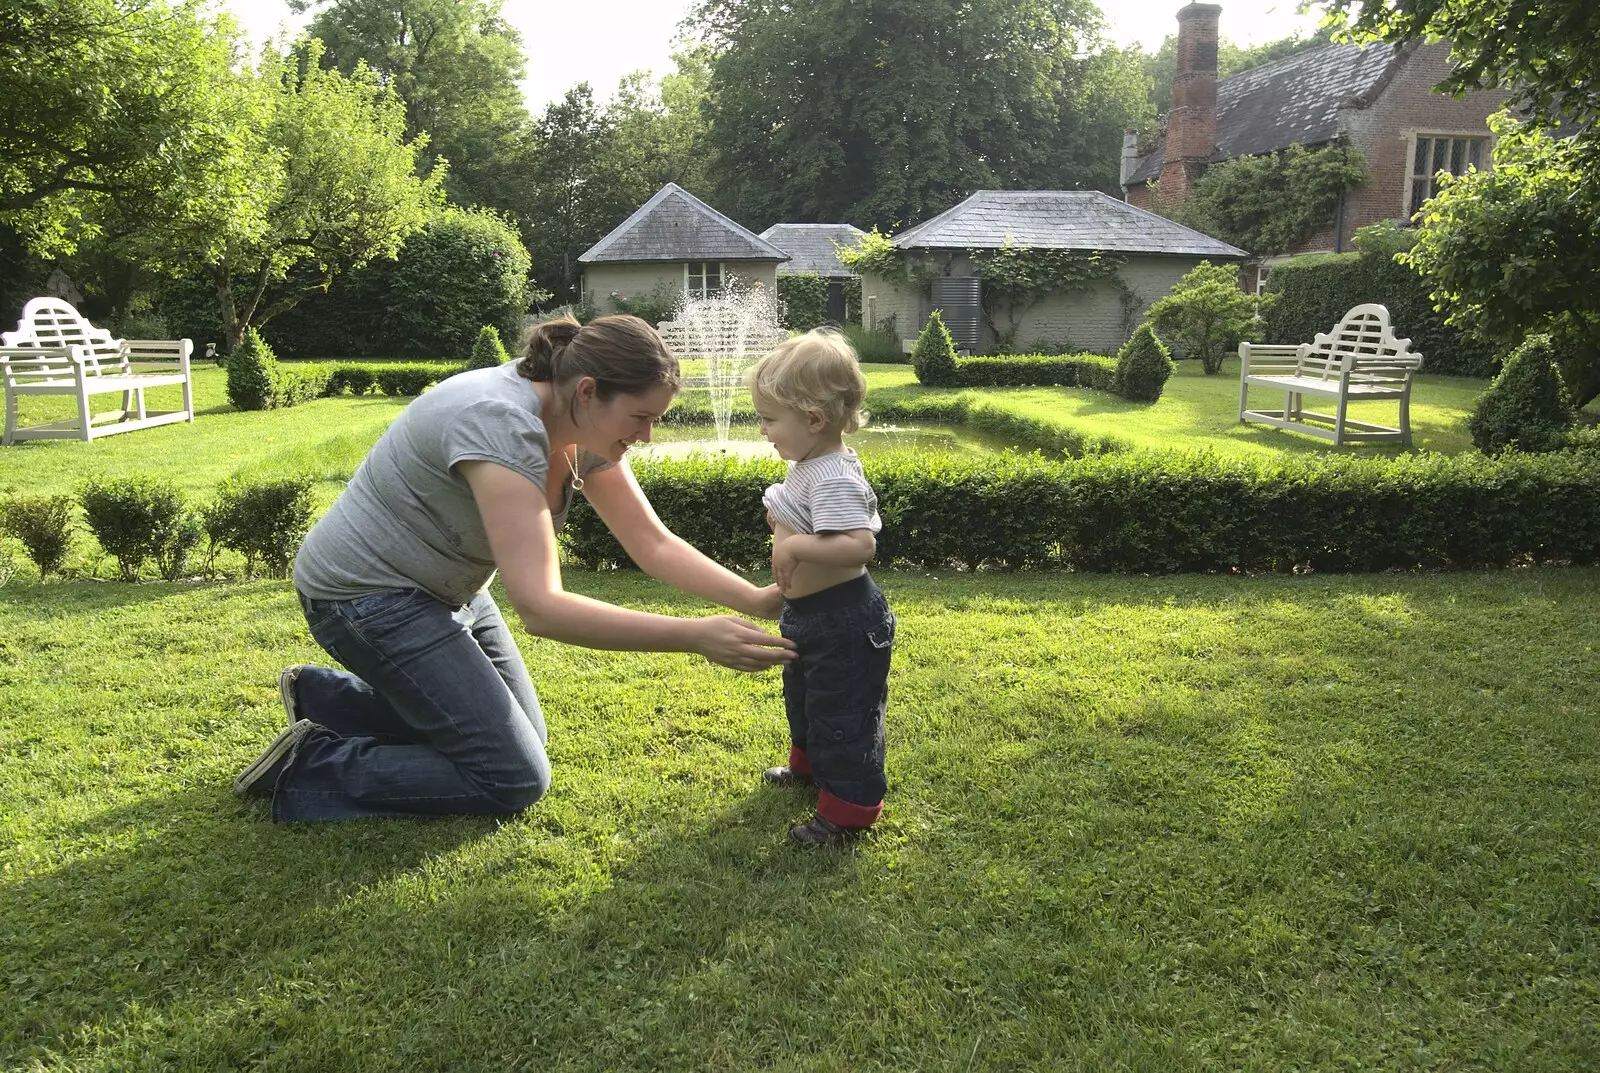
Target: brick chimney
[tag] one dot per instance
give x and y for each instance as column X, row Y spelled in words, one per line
column 1192, row 122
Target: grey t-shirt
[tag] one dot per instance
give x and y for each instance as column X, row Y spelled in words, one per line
column 407, row 519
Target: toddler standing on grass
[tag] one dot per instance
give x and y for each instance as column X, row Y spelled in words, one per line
column 824, row 517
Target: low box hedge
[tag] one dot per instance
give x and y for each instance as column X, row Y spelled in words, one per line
column 1039, row 370
column 1143, row 513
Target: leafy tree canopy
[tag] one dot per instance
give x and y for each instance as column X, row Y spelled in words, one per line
column 884, row 112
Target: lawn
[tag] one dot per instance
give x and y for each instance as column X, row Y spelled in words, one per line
column 1262, row 823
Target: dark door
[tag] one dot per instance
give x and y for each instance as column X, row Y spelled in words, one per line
column 835, row 302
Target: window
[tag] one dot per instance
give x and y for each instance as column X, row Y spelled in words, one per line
column 1436, row 153
column 704, row 279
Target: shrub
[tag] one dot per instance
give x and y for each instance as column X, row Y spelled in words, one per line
column 358, row 379
column 1313, row 293
column 8, row 565
column 488, row 352
column 44, row 525
column 465, row 269
column 934, row 356
column 803, row 297
column 133, row 518
column 877, row 346
column 294, row 384
column 252, row 374
column 409, row 380
column 1143, row 365
column 265, row 520
column 1143, row 513
column 1207, row 315
column 653, row 308
column 1527, row 406
column 1037, row 370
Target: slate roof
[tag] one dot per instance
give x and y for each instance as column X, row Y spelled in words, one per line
column 813, row 247
column 1292, row 101
column 674, row 225
column 1058, row 220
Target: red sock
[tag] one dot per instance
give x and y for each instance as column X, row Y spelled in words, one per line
column 799, row 762
column 844, row 813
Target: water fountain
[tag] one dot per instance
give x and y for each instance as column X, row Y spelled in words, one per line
column 729, row 332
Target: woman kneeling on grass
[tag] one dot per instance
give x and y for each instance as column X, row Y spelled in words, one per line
column 436, row 713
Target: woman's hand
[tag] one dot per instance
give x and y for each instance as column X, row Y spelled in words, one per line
column 743, row 646
column 768, row 603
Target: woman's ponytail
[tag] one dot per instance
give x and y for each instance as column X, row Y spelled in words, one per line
column 545, row 345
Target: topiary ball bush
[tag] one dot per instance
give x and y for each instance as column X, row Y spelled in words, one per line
column 1143, row 365
column 934, row 356
column 252, row 374
column 488, row 352
column 1527, row 406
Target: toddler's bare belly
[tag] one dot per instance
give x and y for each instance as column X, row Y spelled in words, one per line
column 813, row 577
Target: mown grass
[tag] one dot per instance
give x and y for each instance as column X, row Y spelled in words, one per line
column 1154, row 824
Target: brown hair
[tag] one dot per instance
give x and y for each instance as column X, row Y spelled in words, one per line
column 623, row 354
column 815, row 371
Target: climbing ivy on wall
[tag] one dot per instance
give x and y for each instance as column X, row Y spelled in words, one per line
column 1272, row 203
column 1016, row 277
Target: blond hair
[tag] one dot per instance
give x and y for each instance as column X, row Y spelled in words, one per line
column 815, row 371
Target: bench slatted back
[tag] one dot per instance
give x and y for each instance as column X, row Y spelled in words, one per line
column 1364, row 335
column 53, row 326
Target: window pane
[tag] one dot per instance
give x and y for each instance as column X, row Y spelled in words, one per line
column 1420, row 165
column 1419, row 191
column 1441, row 150
column 1475, row 153
column 1458, row 156
column 713, row 275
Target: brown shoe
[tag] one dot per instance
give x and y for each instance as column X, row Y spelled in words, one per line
column 784, row 776
column 820, row 832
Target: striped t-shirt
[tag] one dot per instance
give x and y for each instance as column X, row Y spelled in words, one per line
column 827, row 494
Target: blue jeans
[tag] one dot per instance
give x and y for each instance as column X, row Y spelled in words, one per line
column 435, row 715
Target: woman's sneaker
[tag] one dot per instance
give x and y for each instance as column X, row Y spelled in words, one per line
column 262, row 775
column 286, row 680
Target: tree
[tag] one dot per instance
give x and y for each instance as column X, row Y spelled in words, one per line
column 1513, row 251
column 108, row 99
column 1516, row 250
column 1549, row 50
column 456, row 65
column 883, row 112
column 1207, row 313
column 331, row 185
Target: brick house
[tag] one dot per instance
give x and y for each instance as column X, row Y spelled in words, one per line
column 1377, row 98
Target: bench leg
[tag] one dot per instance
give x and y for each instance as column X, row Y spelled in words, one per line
column 127, row 404
column 11, row 419
column 83, row 414
column 188, row 399
column 138, row 394
column 1338, row 420
column 1244, row 392
column 1405, row 416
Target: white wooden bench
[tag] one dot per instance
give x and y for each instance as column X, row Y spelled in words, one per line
column 1360, row 360
column 54, row 351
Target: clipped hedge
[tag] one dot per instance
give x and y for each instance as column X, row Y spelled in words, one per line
column 1038, row 370
column 1141, row 513
column 1315, row 292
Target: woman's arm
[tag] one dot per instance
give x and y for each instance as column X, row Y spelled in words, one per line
column 661, row 553
column 516, row 518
